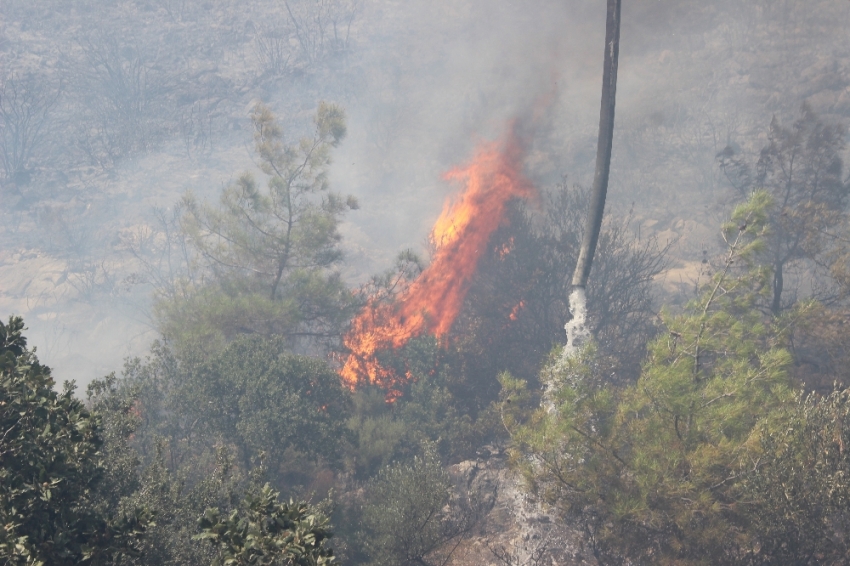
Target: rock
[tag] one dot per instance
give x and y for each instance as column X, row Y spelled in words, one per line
column 511, row 527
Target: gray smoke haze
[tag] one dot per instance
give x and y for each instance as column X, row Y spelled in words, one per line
column 423, row 82
column 446, row 77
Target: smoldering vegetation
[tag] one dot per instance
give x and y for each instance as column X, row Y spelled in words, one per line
column 205, row 194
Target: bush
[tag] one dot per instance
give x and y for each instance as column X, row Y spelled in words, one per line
column 51, row 467
column 252, row 396
column 406, row 518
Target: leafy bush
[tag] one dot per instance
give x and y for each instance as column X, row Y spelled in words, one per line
column 267, row 532
column 51, row 467
column 254, row 397
column 427, row 412
column 406, row 518
column 799, row 488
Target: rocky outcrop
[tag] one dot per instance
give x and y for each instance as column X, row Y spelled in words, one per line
column 511, row 528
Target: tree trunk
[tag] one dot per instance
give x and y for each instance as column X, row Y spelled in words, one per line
column 603, row 149
column 778, row 284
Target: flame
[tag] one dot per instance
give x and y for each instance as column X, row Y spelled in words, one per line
column 505, row 248
column 515, row 311
column 460, row 236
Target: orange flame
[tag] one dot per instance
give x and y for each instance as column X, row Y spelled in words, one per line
column 505, row 248
column 460, row 236
column 515, row 311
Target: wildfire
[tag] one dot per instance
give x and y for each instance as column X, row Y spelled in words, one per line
column 506, row 248
column 515, row 311
column 460, row 236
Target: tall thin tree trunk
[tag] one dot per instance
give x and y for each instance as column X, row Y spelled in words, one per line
column 778, row 284
column 603, row 149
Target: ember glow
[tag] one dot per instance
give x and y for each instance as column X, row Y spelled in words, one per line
column 460, row 236
column 515, row 311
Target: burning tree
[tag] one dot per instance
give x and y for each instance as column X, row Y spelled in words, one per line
column 432, row 301
column 515, row 309
column 460, row 237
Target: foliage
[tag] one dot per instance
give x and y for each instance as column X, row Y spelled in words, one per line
column 114, row 405
column 202, row 426
column 405, row 519
column 177, row 496
column 799, row 489
column 802, row 169
column 267, row 401
column 269, row 253
column 178, row 499
column 267, row 532
column 51, row 466
column 253, row 396
column 653, row 471
column 516, row 307
column 282, row 416
column 206, row 477
column 379, row 437
column 426, row 412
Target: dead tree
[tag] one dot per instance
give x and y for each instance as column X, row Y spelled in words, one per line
column 26, row 101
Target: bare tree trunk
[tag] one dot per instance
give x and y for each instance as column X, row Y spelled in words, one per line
column 603, row 149
column 778, row 285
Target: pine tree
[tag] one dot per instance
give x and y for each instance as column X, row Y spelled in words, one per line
column 652, row 471
column 269, row 253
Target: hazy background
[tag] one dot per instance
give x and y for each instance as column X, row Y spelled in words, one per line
column 141, row 100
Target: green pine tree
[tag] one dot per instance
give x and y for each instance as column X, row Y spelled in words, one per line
column 268, row 253
column 653, row 471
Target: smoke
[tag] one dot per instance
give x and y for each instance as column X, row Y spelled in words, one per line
column 443, row 77
column 424, row 81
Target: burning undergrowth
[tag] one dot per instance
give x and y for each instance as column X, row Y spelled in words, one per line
column 431, row 302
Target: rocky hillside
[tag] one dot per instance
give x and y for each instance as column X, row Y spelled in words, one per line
column 511, row 527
